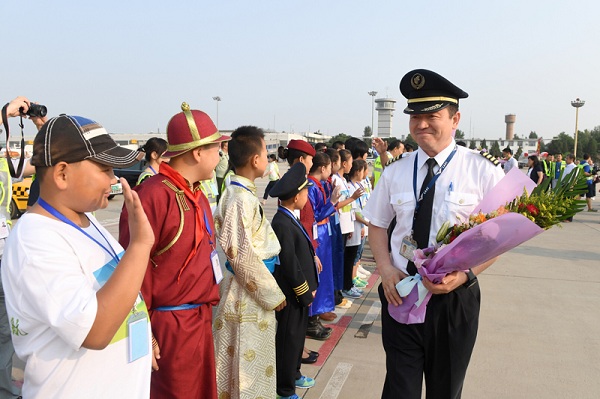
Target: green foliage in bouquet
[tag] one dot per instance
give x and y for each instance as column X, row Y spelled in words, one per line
column 549, row 206
column 545, row 206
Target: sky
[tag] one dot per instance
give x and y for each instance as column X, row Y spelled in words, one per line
column 302, row 65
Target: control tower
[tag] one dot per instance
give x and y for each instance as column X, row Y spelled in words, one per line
column 385, row 112
column 510, row 126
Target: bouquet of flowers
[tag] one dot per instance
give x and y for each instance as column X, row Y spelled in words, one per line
column 506, row 217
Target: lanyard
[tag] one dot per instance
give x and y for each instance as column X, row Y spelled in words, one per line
column 152, row 169
column 431, row 182
column 359, row 198
column 234, row 183
column 50, row 209
column 208, row 230
column 290, row 214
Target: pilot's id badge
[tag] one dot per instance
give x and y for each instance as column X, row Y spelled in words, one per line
column 216, row 265
column 138, row 336
column 408, row 248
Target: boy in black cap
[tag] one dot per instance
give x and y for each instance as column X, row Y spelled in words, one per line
column 297, row 276
column 72, row 292
column 451, row 180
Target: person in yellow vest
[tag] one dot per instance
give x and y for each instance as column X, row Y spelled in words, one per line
column 559, row 166
column 211, row 191
column 395, row 148
column 18, row 106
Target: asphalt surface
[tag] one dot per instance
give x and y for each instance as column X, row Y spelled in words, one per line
column 539, row 333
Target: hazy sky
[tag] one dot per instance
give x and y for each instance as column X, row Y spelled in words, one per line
column 300, row 65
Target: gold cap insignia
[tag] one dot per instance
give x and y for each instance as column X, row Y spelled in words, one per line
column 417, row 81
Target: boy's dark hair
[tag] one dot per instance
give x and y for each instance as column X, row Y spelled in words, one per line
column 246, row 141
column 320, row 147
column 40, row 173
column 345, row 155
column 154, row 144
column 507, row 150
column 586, row 156
column 320, row 159
column 273, row 157
column 351, row 143
column 360, row 149
column 333, row 154
column 337, row 145
column 408, row 147
column 394, row 144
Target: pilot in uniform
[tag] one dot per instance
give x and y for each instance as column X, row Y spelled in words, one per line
column 456, row 180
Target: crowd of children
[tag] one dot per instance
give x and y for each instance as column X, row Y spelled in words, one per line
column 280, row 280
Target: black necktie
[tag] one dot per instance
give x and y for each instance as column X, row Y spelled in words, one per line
column 422, row 223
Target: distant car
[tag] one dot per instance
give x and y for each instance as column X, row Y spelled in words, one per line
column 20, row 195
column 132, row 173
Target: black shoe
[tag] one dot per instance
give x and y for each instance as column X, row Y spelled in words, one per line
column 312, row 358
column 316, row 330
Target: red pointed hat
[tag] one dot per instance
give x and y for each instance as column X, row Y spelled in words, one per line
column 191, row 129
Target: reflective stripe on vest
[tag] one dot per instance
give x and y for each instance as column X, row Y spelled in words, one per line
column 6, row 189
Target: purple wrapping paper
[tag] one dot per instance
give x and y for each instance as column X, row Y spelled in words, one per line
column 474, row 246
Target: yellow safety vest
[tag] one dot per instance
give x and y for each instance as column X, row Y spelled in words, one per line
column 5, row 190
column 377, row 170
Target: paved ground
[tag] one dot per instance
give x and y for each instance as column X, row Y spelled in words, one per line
column 539, row 334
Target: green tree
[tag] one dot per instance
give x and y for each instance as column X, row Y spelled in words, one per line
column 495, row 150
column 516, row 137
column 473, row 146
column 484, row 145
column 533, row 135
column 459, row 134
column 518, row 154
column 367, row 132
column 340, row 137
column 562, row 144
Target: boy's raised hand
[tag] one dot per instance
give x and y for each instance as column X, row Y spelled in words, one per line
column 139, row 228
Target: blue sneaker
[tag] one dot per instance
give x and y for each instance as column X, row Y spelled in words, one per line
column 294, row 396
column 352, row 293
column 305, row 382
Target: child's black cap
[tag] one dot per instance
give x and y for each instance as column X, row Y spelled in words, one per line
column 291, row 183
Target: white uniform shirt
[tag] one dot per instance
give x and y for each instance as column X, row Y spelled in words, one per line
column 459, row 188
column 510, row 163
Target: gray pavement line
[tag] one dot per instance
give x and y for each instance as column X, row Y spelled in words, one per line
column 540, row 278
column 336, row 382
column 367, row 323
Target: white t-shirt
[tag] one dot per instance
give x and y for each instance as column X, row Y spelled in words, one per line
column 51, row 273
column 460, row 187
column 273, row 171
column 510, row 163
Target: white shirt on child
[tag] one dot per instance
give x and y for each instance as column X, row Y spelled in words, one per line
column 51, row 273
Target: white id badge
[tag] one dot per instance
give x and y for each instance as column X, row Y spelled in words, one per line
column 315, row 231
column 353, row 215
column 408, row 248
column 3, row 228
column 138, row 336
column 216, row 265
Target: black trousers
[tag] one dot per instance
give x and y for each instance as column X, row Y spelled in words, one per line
column 292, row 322
column 349, row 257
column 269, row 187
column 440, row 348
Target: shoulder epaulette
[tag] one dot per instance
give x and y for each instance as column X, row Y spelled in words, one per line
column 489, row 157
column 391, row 161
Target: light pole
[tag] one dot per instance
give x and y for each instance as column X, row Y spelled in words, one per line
column 217, row 99
column 372, row 94
column 577, row 104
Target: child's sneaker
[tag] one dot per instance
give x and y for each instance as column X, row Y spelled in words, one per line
column 351, row 293
column 305, row 382
column 364, row 271
column 359, row 283
column 345, row 304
